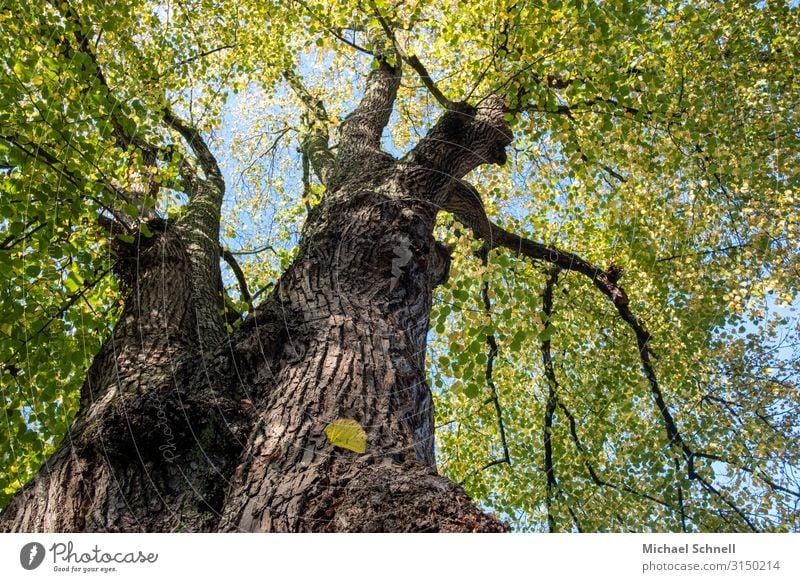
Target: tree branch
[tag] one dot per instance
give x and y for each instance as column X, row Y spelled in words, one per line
column 333, row 31
column 593, row 474
column 426, row 79
column 360, row 132
column 12, row 240
column 465, row 203
column 256, row 251
column 584, row 105
column 207, row 161
column 550, row 407
column 40, row 153
column 492, row 344
column 679, row 488
column 240, row 278
column 710, row 488
column 195, row 57
column 756, row 473
column 315, row 143
column 199, row 228
column 84, row 46
column 87, row 285
column 413, row 62
column 123, row 138
column 463, row 139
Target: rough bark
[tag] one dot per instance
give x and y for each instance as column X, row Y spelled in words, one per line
column 181, row 428
column 157, row 423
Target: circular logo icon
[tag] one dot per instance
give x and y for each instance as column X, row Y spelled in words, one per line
column 31, row 555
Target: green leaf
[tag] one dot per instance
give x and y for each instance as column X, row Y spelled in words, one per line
column 73, row 282
column 471, row 390
column 547, row 333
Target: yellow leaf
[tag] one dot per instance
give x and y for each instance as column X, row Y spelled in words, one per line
column 347, row 434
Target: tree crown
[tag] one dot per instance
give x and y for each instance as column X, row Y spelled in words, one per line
column 616, row 346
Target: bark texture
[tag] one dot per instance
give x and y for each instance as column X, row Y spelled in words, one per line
column 182, row 428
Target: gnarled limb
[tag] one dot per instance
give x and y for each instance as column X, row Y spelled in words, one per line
column 463, row 139
column 464, row 202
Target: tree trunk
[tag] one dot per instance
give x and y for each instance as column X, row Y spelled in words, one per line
column 173, row 435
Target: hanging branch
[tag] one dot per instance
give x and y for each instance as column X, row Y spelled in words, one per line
column 552, row 399
column 552, row 489
column 593, row 474
column 574, row 517
column 679, row 488
column 483, row 254
column 464, row 202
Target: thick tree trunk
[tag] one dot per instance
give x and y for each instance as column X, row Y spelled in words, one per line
column 356, row 302
column 158, row 427
column 175, row 436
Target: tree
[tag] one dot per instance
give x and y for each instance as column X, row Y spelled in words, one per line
column 569, row 224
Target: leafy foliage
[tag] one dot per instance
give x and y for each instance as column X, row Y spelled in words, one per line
column 654, row 139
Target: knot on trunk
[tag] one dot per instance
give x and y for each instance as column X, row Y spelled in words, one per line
column 164, row 422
